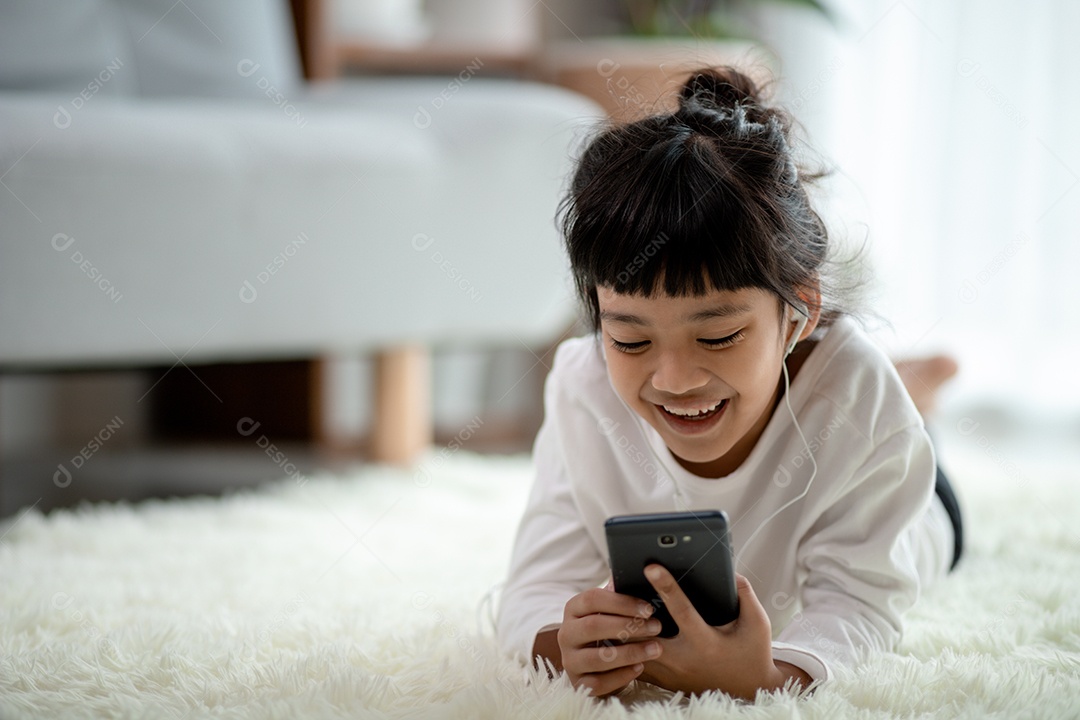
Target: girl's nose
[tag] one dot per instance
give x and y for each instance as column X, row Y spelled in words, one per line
column 677, row 376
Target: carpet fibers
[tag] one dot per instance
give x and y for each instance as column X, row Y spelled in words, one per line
column 363, row 597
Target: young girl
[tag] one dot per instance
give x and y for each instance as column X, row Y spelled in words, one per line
column 722, row 376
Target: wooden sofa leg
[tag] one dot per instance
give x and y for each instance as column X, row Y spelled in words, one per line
column 402, row 426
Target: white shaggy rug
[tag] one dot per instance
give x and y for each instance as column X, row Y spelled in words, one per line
column 358, row 597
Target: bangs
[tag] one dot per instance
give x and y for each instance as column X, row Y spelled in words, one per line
column 670, row 220
column 707, row 198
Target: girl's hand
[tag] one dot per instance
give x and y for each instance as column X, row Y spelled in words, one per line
column 735, row 658
column 605, row 639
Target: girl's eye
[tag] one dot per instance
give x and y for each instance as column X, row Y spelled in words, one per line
column 722, row 342
column 628, row 347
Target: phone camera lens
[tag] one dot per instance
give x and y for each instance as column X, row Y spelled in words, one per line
column 667, row 541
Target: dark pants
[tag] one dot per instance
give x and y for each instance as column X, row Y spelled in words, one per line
column 948, row 498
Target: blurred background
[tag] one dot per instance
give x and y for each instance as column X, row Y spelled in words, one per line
column 947, row 127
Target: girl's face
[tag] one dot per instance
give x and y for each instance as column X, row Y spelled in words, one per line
column 705, row 371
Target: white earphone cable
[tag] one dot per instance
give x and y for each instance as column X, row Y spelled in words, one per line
column 809, row 454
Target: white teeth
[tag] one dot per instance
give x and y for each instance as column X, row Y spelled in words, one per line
column 692, row 413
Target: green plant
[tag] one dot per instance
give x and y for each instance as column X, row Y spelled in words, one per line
column 700, row 18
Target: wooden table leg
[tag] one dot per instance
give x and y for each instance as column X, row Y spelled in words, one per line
column 402, row 426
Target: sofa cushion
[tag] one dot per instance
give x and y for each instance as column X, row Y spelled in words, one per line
column 210, row 48
column 64, row 47
column 163, row 48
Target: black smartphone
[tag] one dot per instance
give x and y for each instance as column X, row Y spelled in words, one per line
column 695, row 547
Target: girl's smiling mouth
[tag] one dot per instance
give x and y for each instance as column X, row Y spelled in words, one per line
column 692, row 420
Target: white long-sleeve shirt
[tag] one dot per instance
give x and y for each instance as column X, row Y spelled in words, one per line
column 835, row 570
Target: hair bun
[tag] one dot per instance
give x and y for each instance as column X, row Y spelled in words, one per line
column 718, row 88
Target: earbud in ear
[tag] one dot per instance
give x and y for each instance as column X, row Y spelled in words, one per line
column 803, row 317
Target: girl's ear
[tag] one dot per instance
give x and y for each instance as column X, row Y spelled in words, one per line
column 811, row 300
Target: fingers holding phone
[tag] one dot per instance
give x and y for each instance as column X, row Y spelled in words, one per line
column 606, row 638
column 735, row 658
column 678, row 605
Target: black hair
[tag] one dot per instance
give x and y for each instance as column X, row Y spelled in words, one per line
column 707, row 197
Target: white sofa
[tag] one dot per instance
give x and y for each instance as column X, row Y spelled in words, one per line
column 173, row 189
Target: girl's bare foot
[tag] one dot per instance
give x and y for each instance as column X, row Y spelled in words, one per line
column 923, row 377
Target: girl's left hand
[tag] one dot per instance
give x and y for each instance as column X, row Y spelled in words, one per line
column 735, row 658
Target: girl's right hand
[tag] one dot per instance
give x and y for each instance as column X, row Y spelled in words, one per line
column 606, row 638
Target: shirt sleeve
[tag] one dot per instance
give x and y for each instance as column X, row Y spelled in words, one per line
column 858, row 560
column 554, row 557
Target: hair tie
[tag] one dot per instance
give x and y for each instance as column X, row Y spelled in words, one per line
column 791, row 172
